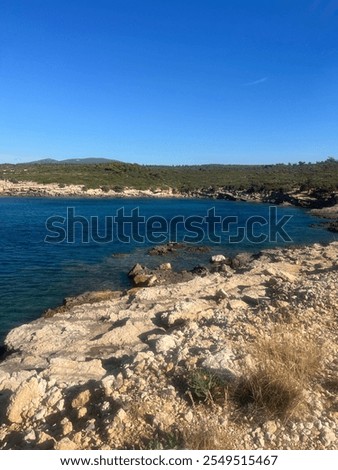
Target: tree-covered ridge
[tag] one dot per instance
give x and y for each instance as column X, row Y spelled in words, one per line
column 117, row 175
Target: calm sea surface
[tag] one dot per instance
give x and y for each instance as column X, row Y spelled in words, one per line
column 35, row 275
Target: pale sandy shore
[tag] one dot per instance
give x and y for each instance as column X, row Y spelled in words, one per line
column 30, row 188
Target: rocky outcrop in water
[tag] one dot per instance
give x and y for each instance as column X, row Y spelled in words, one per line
column 328, row 213
column 175, row 365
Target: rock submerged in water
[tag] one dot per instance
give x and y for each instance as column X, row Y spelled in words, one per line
column 333, row 226
column 161, row 250
column 174, row 247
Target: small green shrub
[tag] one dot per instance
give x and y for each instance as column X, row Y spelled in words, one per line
column 118, row 189
column 165, row 441
column 206, row 386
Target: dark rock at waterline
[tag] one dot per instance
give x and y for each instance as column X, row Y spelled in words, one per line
column 142, row 276
column 145, row 280
column 240, row 261
column 145, row 277
column 172, row 277
column 333, row 226
column 311, row 199
column 161, row 250
column 136, row 269
column 92, row 297
column 85, row 298
column 120, row 255
column 226, row 196
column 197, row 249
column 3, row 352
column 330, row 226
column 200, row 270
column 173, row 247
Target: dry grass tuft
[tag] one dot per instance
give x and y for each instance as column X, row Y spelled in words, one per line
column 284, row 365
column 272, row 393
column 210, row 436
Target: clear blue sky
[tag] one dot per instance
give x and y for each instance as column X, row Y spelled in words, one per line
column 169, row 81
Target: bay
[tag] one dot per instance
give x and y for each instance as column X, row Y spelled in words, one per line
column 36, row 275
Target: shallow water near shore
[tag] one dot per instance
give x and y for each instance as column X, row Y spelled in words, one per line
column 35, row 275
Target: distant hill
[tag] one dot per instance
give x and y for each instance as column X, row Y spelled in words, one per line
column 71, row 161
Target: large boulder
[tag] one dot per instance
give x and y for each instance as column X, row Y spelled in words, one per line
column 135, row 270
column 25, row 400
column 144, row 280
column 218, row 259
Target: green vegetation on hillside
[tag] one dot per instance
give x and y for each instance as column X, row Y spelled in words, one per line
column 117, row 175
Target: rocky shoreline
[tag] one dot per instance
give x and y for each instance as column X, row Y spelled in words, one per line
column 322, row 203
column 32, row 189
column 241, row 355
column 311, row 198
column 328, row 213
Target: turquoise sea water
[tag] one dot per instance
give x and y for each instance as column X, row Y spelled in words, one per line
column 35, row 275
